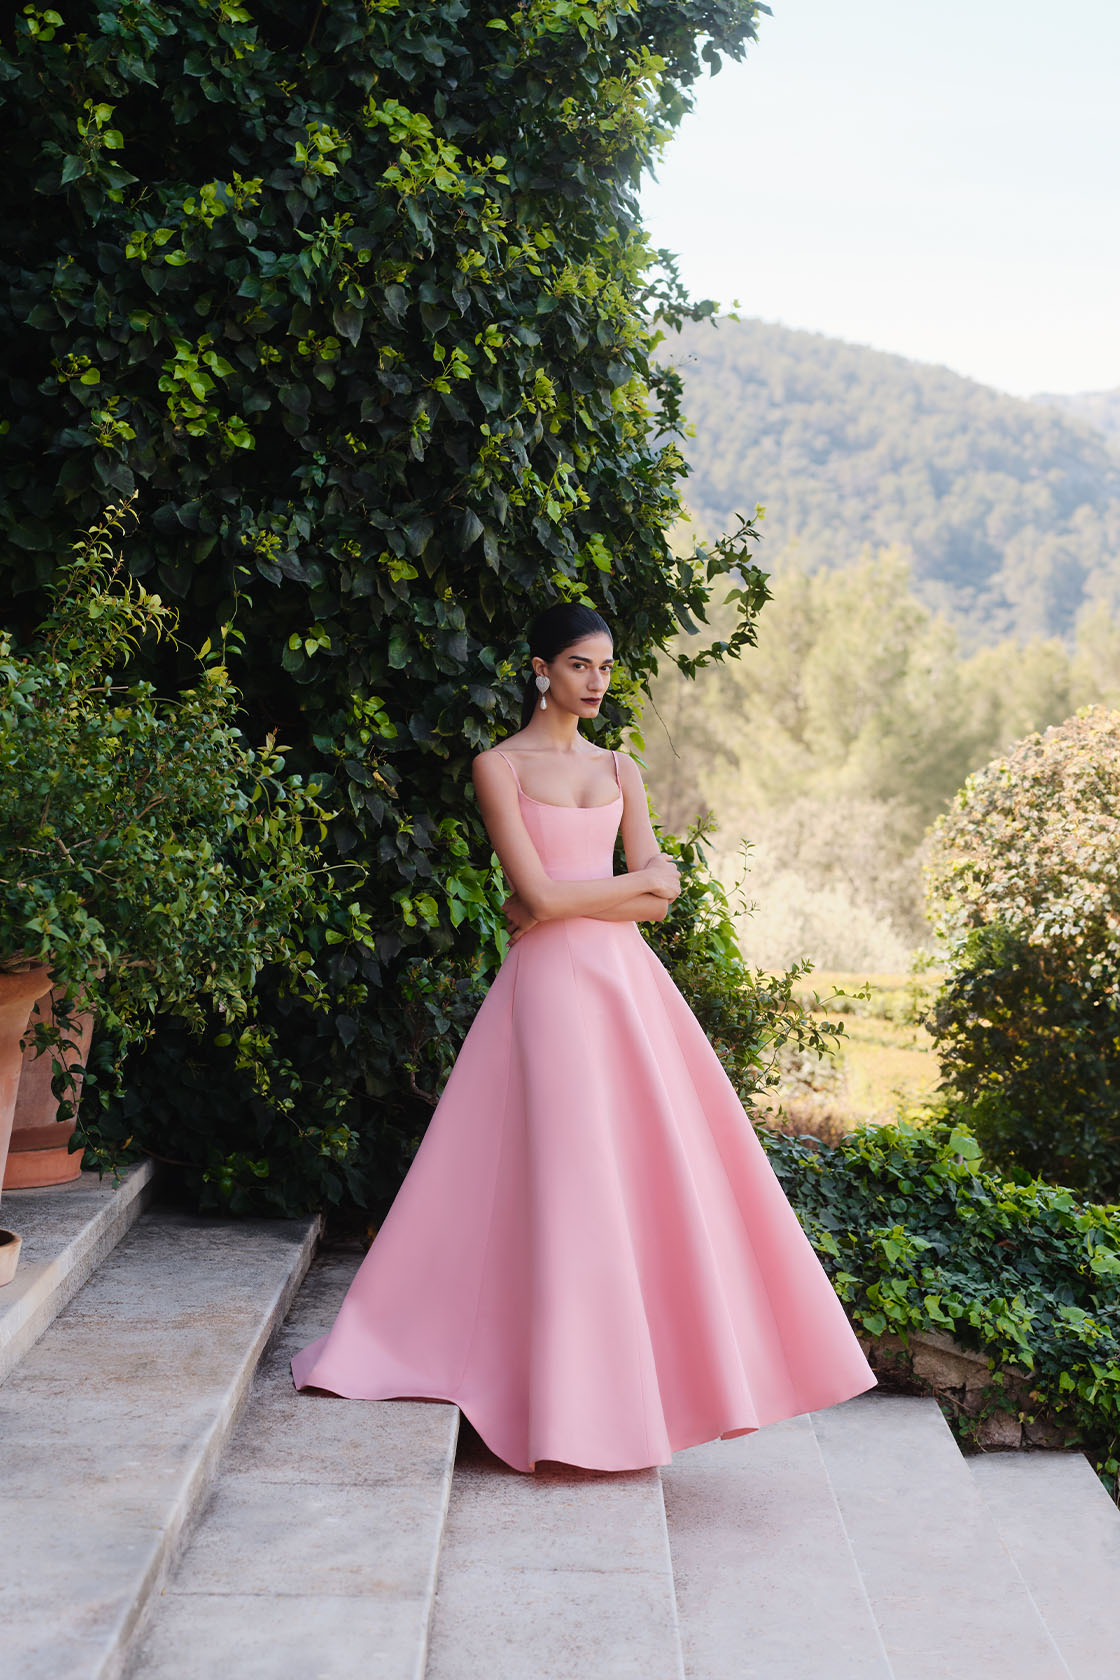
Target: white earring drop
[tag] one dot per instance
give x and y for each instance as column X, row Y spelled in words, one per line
column 542, row 685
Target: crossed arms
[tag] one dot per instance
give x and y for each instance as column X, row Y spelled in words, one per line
column 642, row 893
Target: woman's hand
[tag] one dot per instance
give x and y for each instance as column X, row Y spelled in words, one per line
column 663, row 877
column 518, row 919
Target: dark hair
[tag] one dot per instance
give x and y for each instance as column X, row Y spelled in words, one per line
column 550, row 633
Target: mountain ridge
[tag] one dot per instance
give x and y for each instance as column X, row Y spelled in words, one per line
column 1009, row 506
column 1100, row 409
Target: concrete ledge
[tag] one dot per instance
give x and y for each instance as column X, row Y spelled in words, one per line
column 67, row 1231
column 112, row 1426
column 767, row 1586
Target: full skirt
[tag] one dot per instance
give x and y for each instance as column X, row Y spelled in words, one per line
column 591, row 1254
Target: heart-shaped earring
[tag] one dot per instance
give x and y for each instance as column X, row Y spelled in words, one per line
column 542, row 685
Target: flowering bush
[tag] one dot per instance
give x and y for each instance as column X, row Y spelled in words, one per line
column 1024, row 887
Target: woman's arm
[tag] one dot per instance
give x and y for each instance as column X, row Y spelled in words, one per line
column 643, row 907
column 545, row 899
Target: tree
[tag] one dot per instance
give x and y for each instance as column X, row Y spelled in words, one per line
column 847, row 732
column 1024, row 887
column 355, row 297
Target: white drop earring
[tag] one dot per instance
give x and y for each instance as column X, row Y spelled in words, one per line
column 542, row 685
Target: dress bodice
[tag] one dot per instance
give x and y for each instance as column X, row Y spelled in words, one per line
column 574, row 842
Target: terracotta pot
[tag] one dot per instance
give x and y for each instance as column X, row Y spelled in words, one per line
column 9, row 1256
column 17, row 994
column 39, row 1152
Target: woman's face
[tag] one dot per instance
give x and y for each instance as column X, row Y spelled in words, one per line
column 580, row 675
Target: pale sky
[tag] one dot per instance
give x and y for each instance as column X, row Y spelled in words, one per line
column 937, row 179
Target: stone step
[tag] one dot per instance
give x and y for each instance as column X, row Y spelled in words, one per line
column 767, row 1587
column 111, row 1426
column 67, row 1230
column 557, row 1574
column 1063, row 1532
column 945, row 1595
column 317, row 1553
column 847, row 1544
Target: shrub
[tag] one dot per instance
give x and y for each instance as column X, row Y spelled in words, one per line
column 148, row 854
column 1024, row 887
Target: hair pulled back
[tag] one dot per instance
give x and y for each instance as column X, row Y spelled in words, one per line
column 550, row 633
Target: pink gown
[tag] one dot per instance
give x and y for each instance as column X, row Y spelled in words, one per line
column 590, row 1254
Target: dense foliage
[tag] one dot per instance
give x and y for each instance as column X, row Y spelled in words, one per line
column 148, row 854
column 1011, row 508
column 917, row 1236
column 1024, row 886
column 356, row 298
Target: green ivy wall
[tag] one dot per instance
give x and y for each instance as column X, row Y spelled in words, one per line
column 354, row 299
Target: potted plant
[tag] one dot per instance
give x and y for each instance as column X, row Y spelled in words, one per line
column 20, row 986
column 50, row 1087
column 150, row 857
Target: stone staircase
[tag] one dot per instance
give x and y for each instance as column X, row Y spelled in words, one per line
column 175, row 1511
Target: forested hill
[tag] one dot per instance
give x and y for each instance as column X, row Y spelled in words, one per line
column 1100, row 408
column 1011, row 508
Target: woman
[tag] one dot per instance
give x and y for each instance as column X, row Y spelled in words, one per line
column 590, row 1254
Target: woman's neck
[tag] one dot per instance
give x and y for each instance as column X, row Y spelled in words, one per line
column 560, row 734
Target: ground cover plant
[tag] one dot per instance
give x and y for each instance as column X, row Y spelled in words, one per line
column 917, row 1234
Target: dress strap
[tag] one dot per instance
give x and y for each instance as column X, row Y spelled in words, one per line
column 614, row 761
column 512, row 766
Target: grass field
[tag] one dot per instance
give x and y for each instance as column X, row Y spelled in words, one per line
column 885, row 1059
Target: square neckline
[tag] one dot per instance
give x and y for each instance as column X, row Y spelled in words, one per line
column 550, row 805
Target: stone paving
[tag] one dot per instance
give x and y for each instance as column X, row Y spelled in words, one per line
column 317, row 1552
column 111, row 1427
column 67, row 1231
column 176, row 1511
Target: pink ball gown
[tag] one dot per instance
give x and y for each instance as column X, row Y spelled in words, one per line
column 590, row 1254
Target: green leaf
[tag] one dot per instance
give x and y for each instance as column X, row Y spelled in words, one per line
column 470, row 528
column 434, row 318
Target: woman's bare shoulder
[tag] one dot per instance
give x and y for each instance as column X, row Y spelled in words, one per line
column 632, row 768
column 482, row 761
column 511, row 741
